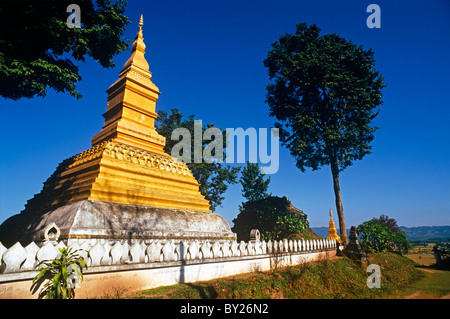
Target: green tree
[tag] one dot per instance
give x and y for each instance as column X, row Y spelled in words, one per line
column 254, row 185
column 390, row 223
column 324, row 93
column 376, row 237
column 273, row 218
column 213, row 175
column 38, row 50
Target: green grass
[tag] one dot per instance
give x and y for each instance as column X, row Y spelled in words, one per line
column 338, row 278
column 434, row 284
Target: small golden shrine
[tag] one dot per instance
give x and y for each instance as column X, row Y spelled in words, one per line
column 332, row 232
column 125, row 184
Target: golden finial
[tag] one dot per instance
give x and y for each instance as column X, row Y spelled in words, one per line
column 138, row 50
column 331, row 213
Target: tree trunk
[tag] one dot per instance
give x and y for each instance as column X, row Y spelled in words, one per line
column 337, row 195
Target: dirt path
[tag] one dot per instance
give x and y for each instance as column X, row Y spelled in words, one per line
column 428, row 270
column 433, row 286
column 414, row 295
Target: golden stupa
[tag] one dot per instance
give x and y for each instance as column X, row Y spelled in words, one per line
column 126, row 165
column 332, row 232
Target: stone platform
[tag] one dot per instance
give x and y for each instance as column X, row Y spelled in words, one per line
column 88, row 219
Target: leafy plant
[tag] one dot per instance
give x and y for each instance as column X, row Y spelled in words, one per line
column 378, row 238
column 61, row 274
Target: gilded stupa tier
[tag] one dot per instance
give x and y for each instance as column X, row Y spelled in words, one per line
column 126, row 163
column 332, row 232
column 130, row 113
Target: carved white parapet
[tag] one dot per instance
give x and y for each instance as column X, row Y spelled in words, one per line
column 137, row 252
column 168, row 251
column 217, row 250
column 206, row 250
column 258, row 248
column 243, row 248
column 13, row 258
column 47, row 252
column 270, row 247
column 235, row 249
column 264, row 247
column 96, row 254
column 116, row 253
column 250, row 248
column 153, row 252
column 226, row 249
column 105, row 253
column 194, row 250
column 2, row 251
column 181, row 249
column 281, row 246
column 31, row 261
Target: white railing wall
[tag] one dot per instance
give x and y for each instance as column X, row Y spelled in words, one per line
column 17, row 258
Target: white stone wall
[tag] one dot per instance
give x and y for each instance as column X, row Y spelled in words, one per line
column 101, row 253
column 145, row 265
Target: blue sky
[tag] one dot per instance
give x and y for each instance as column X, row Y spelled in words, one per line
column 207, row 59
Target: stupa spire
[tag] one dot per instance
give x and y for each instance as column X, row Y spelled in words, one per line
column 138, row 50
column 130, row 113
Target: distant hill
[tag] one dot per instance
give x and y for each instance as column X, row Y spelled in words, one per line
column 428, row 233
column 421, row 233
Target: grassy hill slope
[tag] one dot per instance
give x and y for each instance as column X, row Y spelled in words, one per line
column 338, row 278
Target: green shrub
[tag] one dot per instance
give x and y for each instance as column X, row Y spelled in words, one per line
column 61, row 274
column 378, row 238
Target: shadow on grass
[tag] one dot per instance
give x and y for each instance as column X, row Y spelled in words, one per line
column 207, row 292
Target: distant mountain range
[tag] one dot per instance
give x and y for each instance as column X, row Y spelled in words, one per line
column 421, row 233
column 430, row 233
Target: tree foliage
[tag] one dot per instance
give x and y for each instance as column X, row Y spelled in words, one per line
column 38, row 50
column 271, row 216
column 254, row 184
column 324, row 93
column 213, row 176
column 389, row 223
column 376, row 237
